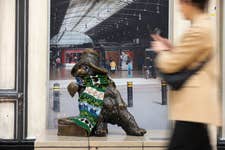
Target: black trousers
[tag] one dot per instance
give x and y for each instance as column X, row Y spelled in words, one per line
column 189, row 136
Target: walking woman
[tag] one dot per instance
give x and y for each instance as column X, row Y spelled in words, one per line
column 196, row 104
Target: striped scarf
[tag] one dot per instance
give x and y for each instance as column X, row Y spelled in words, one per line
column 91, row 101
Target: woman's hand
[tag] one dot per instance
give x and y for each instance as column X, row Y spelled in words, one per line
column 160, row 43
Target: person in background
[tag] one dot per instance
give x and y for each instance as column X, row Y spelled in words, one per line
column 123, row 60
column 196, row 104
column 58, row 62
column 129, row 68
column 107, row 65
column 75, row 59
column 112, row 66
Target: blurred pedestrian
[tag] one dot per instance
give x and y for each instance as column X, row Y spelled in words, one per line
column 196, row 104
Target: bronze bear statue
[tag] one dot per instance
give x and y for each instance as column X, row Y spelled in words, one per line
column 113, row 109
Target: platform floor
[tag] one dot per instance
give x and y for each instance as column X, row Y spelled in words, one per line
column 64, row 73
column 115, row 140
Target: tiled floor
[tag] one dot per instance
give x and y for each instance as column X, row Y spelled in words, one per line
column 153, row 140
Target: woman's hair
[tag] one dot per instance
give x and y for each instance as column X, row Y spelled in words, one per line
column 201, row 4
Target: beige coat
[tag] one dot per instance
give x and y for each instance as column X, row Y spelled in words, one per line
column 198, row 100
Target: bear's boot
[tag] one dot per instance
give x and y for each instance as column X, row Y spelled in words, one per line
column 127, row 122
column 101, row 128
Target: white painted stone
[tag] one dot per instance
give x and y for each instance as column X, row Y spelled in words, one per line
column 154, row 148
column 7, row 44
column 37, row 66
column 7, row 120
column 61, row 148
column 117, row 148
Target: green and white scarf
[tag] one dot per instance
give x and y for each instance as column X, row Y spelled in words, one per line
column 91, row 101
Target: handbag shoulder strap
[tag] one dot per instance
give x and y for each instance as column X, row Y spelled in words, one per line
column 202, row 63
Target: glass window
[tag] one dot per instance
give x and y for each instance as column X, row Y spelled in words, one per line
column 119, row 31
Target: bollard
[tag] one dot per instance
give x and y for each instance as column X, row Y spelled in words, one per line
column 56, row 93
column 130, row 94
column 164, row 92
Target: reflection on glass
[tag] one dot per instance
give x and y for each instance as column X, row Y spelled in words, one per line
column 119, row 31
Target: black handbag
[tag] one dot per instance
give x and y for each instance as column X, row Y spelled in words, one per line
column 177, row 79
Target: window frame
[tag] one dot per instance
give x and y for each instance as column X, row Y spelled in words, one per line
column 18, row 95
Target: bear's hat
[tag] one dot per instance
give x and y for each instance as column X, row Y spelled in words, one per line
column 91, row 58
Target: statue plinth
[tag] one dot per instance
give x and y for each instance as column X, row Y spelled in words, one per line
column 68, row 128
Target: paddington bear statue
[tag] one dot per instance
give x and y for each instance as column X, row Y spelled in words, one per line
column 100, row 102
